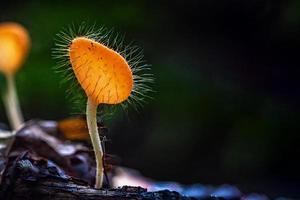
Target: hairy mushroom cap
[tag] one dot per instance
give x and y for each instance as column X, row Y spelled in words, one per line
column 98, row 64
column 14, row 45
column 103, row 73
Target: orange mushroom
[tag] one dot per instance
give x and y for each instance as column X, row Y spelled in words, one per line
column 14, row 46
column 104, row 74
column 108, row 75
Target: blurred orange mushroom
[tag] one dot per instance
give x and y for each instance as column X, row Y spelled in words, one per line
column 14, row 46
column 74, row 129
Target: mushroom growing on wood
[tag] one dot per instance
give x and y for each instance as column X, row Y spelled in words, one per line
column 14, row 45
column 109, row 73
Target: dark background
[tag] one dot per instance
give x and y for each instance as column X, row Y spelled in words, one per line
column 227, row 82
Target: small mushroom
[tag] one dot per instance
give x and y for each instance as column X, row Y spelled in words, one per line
column 108, row 74
column 14, row 46
column 106, row 79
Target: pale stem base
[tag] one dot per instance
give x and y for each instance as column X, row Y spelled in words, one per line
column 91, row 118
column 12, row 105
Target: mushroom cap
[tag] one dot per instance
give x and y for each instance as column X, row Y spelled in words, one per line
column 14, row 46
column 103, row 73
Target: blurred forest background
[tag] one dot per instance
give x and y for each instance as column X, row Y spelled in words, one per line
column 226, row 108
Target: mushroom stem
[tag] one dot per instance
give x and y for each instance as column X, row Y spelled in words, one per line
column 91, row 118
column 12, row 105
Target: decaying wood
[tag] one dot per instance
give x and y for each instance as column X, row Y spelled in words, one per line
column 53, row 189
column 36, row 168
column 32, row 177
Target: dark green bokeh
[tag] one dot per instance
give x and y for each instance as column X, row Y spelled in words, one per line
column 225, row 109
